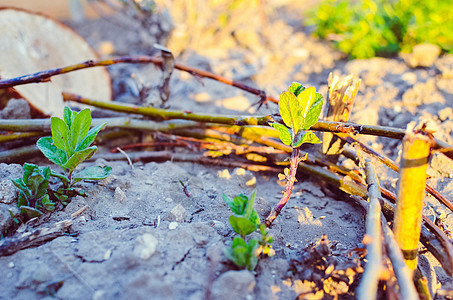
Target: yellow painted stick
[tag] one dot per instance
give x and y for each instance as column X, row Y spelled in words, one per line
column 411, row 192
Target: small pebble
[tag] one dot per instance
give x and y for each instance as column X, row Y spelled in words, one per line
column 119, row 195
column 146, row 245
column 172, row 225
column 11, row 265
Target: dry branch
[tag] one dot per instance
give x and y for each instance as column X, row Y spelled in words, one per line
column 44, row 76
column 368, row 286
column 33, row 238
column 411, row 192
column 402, row 272
column 392, row 165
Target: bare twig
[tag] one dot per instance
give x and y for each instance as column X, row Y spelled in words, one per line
column 402, row 272
column 43, row 76
column 392, row 165
column 127, row 156
column 33, row 238
column 18, row 136
column 164, row 114
column 290, row 179
column 431, row 236
column 368, row 286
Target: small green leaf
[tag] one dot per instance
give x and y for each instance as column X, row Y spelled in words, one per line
column 28, row 170
column 290, row 110
column 238, row 204
column 92, row 173
column 311, row 105
column 284, row 133
column 30, row 211
column 311, row 138
column 19, row 183
column 68, row 116
column 89, row 139
column 296, row 88
column 80, row 127
column 242, row 225
column 60, row 135
column 249, row 206
column 22, row 200
column 63, row 178
column 238, row 241
column 305, row 137
column 79, row 157
column 55, row 155
column 47, row 203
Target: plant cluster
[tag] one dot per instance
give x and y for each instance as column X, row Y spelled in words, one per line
column 369, row 28
column 68, row 146
column 245, row 220
column 299, row 108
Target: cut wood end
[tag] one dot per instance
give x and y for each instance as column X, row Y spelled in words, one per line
column 32, row 42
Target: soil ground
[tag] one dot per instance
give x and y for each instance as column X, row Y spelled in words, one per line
column 144, row 237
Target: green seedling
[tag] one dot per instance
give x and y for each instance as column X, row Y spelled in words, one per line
column 69, row 145
column 245, row 220
column 300, row 108
column 33, row 196
column 242, row 254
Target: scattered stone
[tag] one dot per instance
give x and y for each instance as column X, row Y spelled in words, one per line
column 219, row 227
column 99, row 295
column 119, row 195
column 239, row 103
column 8, row 192
column 234, row 285
column 409, row 77
column 145, row 246
column 202, row 97
column 172, row 225
column 442, row 164
column 224, row 174
column 94, row 246
column 5, row 216
column 178, row 214
column 202, row 233
column 245, row 177
column 423, row 55
column 16, row 109
column 446, row 113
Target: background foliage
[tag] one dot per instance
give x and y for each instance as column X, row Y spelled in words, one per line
column 370, row 28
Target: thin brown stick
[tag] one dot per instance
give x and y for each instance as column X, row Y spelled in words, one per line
column 392, row 165
column 43, row 76
column 165, row 114
column 402, row 272
column 432, row 237
column 33, row 238
column 290, row 179
column 321, row 125
column 18, row 136
column 368, row 286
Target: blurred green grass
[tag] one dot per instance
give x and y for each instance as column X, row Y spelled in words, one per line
column 368, row 28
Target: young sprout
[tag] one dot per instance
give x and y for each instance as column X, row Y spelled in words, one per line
column 300, row 108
